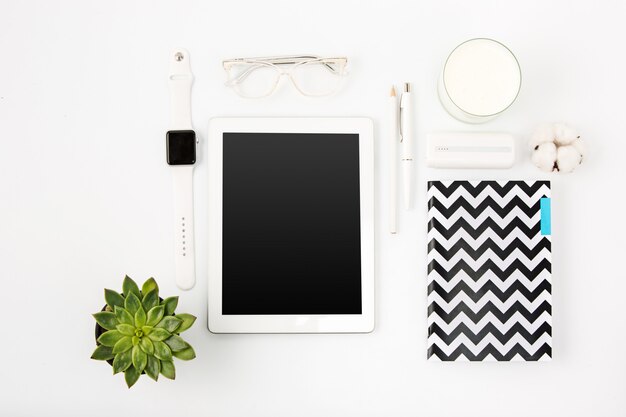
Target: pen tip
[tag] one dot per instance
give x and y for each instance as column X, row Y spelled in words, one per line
column 392, row 93
column 407, row 87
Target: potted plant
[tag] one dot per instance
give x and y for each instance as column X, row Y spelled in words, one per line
column 138, row 332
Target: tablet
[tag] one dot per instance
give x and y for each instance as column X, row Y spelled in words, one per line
column 291, row 225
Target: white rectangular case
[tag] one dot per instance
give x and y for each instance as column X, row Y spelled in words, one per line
column 470, row 150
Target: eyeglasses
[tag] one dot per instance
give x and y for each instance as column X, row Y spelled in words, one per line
column 312, row 76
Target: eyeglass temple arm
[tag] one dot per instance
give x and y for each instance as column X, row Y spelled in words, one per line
column 295, row 59
column 275, row 60
column 286, row 59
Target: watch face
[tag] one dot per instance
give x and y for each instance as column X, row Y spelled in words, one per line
column 181, row 147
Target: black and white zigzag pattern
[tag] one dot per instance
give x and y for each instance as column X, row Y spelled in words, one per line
column 489, row 271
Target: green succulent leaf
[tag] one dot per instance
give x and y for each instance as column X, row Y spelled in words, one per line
column 150, row 285
column 188, row 321
column 122, row 361
column 155, row 314
column 126, row 329
column 123, row 345
column 140, row 359
column 150, row 299
column 153, row 367
column 110, row 338
column 169, row 323
column 132, row 303
column 129, row 286
column 123, row 316
column 146, row 330
column 158, row 334
column 170, row 304
column 186, row 354
column 106, row 319
column 131, row 376
column 146, row 345
column 103, row 353
column 176, row 343
column 162, row 351
column 136, row 340
column 140, row 317
column 113, row 298
column 168, row 370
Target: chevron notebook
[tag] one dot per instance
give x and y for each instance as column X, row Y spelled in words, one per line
column 489, row 271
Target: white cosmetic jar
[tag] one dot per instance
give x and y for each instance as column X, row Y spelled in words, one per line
column 480, row 79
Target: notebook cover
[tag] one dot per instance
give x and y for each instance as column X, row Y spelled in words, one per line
column 489, row 271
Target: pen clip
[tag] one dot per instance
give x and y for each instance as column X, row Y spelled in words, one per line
column 400, row 118
column 407, row 89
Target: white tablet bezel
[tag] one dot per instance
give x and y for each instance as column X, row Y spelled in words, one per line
column 339, row 323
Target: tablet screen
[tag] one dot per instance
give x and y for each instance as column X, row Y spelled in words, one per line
column 291, row 239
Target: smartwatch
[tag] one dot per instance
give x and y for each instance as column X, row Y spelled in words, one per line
column 180, row 147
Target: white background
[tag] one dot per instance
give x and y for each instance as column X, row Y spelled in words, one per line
column 85, row 197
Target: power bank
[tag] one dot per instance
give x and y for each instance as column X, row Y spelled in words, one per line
column 470, row 150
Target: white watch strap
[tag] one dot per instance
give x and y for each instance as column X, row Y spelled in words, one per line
column 180, row 81
column 182, row 176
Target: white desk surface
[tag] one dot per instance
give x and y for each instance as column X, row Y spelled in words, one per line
column 85, row 197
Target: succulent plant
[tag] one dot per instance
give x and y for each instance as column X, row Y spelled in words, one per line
column 141, row 332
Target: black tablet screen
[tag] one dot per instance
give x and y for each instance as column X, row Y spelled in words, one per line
column 291, row 224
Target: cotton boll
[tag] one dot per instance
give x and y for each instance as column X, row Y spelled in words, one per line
column 557, row 147
column 567, row 158
column 545, row 156
column 563, row 134
column 543, row 134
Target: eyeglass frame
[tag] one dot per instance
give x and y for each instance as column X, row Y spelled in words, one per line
column 274, row 62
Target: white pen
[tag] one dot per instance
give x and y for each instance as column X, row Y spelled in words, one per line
column 394, row 121
column 406, row 120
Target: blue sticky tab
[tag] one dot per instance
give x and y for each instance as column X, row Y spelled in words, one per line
column 546, row 226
